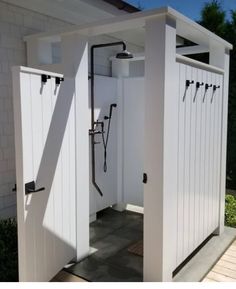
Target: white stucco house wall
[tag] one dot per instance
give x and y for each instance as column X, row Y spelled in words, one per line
column 19, row 18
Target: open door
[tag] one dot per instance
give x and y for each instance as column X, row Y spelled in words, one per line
column 45, row 140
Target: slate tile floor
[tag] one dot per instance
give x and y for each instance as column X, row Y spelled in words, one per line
column 111, row 235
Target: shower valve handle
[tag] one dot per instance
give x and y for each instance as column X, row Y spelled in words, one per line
column 94, row 132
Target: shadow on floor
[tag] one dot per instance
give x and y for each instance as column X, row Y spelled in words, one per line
column 110, row 237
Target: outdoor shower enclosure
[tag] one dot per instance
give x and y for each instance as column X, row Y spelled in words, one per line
column 181, row 115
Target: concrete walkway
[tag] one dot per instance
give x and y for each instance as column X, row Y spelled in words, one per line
column 199, row 266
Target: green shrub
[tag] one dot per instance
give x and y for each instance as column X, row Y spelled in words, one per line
column 230, row 211
column 8, row 251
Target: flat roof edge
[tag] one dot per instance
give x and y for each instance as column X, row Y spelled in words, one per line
column 142, row 16
column 108, row 21
column 174, row 13
column 123, row 5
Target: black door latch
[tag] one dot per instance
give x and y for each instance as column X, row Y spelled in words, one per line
column 31, row 188
column 144, row 178
column 14, row 189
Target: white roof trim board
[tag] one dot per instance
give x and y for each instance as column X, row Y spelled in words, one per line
column 185, row 27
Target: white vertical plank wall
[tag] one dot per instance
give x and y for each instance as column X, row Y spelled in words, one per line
column 133, row 140
column 45, row 153
column 199, row 141
column 106, row 94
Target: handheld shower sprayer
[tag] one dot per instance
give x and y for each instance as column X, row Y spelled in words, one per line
column 110, row 112
column 105, row 142
column 113, row 105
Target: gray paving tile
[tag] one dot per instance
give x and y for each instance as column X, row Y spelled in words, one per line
column 96, row 270
column 136, row 223
column 129, row 233
column 98, row 232
column 113, row 221
column 125, row 259
column 110, row 245
column 111, row 235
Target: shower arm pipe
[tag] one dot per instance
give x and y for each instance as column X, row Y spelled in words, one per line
column 92, row 130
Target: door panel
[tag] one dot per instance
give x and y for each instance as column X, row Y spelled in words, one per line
column 45, row 153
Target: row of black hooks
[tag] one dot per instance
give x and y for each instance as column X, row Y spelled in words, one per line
column 45, row 77
column 198, row 84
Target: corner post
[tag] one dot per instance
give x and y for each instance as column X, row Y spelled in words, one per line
column 160, row 163
column 220, row 57
column 75, row 65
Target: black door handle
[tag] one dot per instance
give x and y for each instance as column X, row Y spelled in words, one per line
column 31, row 188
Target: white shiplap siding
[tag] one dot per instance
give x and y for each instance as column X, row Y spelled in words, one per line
column 199, row 137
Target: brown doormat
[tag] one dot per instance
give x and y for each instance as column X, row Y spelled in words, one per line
column 136, row 248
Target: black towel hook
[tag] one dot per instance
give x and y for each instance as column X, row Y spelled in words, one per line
column 188, row 82
column 215, row 87
column 58, row 80
column 207, row 86
column 44, row 78
column 214, row 90
column 198, row 84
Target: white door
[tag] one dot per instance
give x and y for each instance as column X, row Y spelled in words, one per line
column 44, row 115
